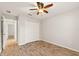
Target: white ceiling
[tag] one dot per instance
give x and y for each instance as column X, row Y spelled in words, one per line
column 19, row 8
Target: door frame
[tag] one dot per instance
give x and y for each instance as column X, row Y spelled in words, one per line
column 16, row 29
column 14, row 23
column 1, row 34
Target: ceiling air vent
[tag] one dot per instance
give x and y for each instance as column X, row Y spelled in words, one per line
column 8, row 11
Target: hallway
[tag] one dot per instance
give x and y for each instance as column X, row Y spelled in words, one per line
column 10, row 43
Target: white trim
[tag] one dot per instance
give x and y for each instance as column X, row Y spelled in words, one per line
column 0, row 50
column 28, row 42
column 6, row 22
column 21, row 43
column 61, row 45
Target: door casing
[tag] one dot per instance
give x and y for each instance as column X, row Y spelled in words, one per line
column 5, row 30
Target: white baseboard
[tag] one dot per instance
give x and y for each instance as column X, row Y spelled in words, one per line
column 28, row 42
column 61, row 45
column 52, row 43
column 21, row 43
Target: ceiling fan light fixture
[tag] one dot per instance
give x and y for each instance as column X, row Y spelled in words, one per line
column 40, row 11
column 41, row 8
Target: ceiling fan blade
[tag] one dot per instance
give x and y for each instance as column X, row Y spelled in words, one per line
column 32, row 9
column 49, row 5
column 42, row 5
column 39, row 4
column 45, row 11
column 37, row 13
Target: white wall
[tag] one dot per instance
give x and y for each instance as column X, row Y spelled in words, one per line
column 28, row 31
column 62, row 29
column 11, row 30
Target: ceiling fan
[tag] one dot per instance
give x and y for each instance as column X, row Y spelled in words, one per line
column 42, row 8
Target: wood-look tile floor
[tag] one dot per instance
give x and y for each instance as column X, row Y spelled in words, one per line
column 10, row 43
column 38, row 48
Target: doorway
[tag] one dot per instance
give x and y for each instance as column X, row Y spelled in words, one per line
column 10, row 33
column 11, row 41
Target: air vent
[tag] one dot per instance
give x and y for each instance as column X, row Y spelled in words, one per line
column 8, row 11
column 30, row 14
